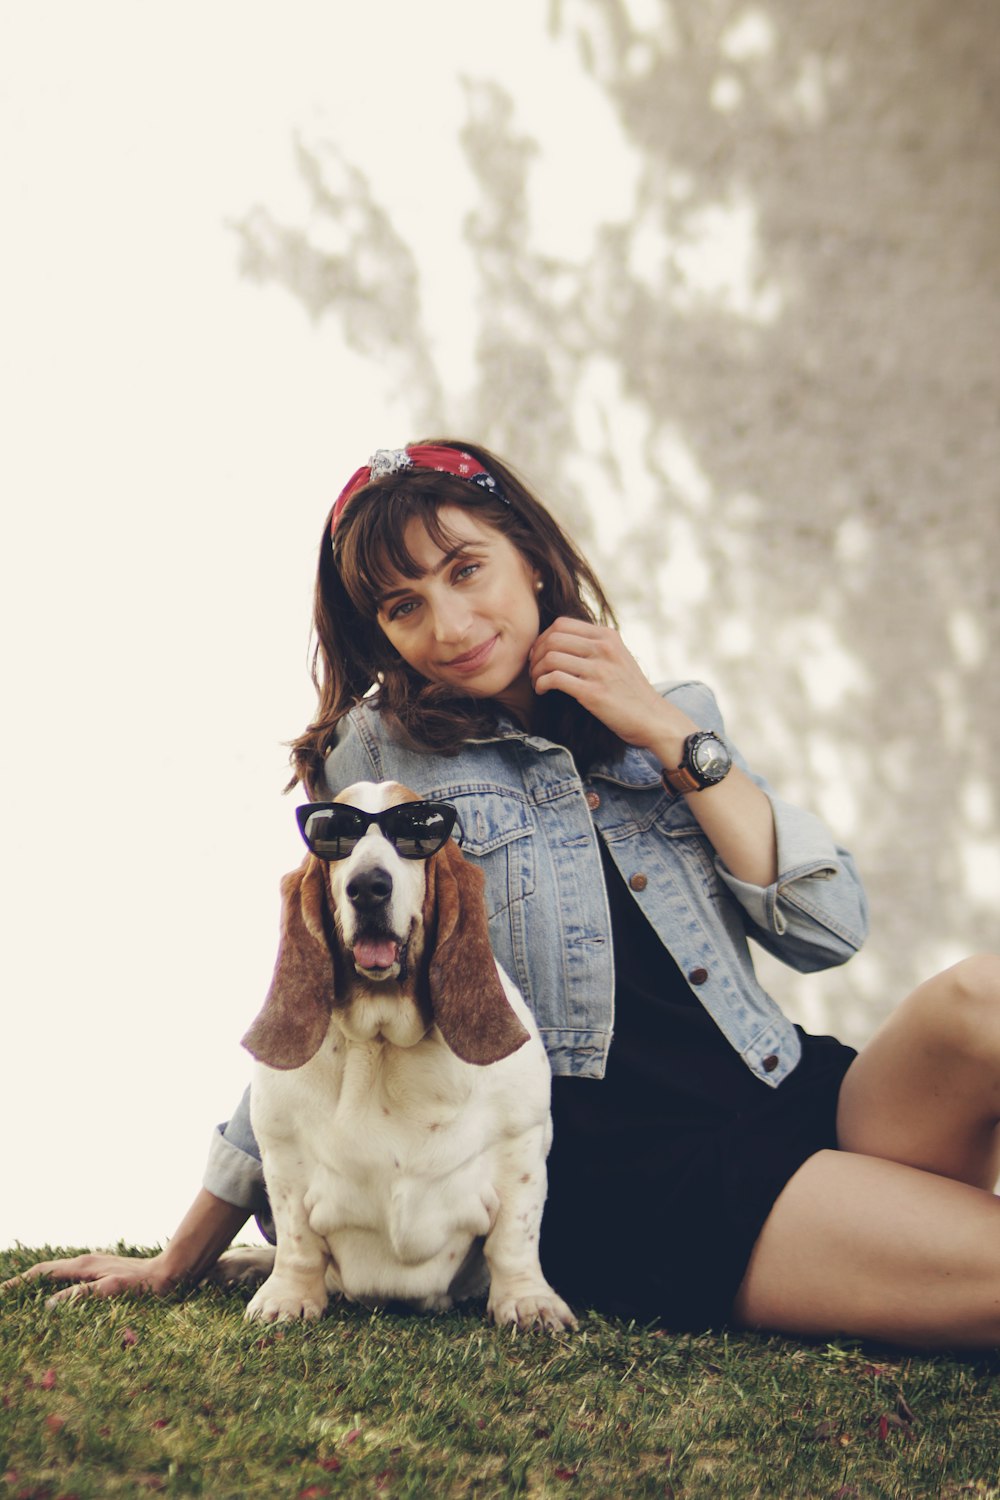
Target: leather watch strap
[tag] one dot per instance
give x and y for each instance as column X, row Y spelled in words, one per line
column 679, row 781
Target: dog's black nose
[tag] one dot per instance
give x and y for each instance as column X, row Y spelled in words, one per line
column 369, row 888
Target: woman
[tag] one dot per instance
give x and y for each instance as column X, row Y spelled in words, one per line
column 712, row 1164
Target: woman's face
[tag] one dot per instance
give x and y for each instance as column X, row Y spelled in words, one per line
column 471, row 616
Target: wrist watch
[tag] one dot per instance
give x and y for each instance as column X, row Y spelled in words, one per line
column 705, row 762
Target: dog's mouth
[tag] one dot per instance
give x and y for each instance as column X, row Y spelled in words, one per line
column 378, row 958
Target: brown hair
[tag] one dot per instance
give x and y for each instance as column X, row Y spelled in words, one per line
column 352, row 656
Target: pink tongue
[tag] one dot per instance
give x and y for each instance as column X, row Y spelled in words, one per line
column 375, row 955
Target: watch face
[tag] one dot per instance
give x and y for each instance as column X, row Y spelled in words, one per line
column 711, row 759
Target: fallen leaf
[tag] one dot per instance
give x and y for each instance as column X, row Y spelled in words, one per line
column 824, row 1431
column 331, row 1465
column 129, row 1337
column 565, row 1473
column 352, row 1436
column 48, row 1381
column 160, row 1423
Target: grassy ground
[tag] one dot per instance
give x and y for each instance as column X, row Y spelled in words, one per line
column 182, row 1398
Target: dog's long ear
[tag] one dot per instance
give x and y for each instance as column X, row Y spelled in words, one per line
column 296, row 1014
column 466, row 995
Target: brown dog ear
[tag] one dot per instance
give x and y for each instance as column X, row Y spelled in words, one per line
column 296, row 1014
column 466, row 995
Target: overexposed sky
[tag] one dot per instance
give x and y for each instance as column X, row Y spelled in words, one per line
column 173, row 436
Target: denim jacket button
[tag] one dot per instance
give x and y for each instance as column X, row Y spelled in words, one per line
column 770, row 1062
column 698, row 976
column 593, row 800
column 638, row 882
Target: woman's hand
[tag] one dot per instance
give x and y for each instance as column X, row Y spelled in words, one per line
column 206, row 1229
column 591, row 664
column 100, row 1275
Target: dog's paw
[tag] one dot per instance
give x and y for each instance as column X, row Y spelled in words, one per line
column 533, row 1307
column 247, row 1265
column 284, row 1301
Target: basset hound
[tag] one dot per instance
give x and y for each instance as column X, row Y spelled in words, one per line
column 400, row 1095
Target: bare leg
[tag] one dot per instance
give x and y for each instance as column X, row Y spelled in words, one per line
column 897, row 1235
column 926, row 1088
column 858, row 1245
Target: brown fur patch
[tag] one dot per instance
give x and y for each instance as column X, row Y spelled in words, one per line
column 296, row 1013
column 467, row 998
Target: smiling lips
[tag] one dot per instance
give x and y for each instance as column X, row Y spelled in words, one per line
column 471, row 661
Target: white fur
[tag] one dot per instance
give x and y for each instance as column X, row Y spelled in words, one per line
column 395, row 1170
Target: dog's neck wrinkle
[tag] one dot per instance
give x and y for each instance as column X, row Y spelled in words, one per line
column 376, row 1071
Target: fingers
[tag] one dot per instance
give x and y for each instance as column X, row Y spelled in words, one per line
column 57, row 1269
column 72, row 1293
column 577, row 649
column 592, row 664
column 91, row 1276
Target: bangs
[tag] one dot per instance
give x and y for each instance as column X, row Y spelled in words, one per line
column 374, row 555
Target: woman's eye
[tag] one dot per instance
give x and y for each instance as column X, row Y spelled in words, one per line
column 466, row 571
column 402, row 609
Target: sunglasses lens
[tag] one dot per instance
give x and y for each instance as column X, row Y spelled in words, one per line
column 334, row 832
column 419, row 830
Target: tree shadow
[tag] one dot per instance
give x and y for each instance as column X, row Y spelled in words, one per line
column 765, row 400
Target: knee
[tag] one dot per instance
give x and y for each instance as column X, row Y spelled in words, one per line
column 969, row 997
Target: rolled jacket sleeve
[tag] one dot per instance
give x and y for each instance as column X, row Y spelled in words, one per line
column 233, row 1171
column 815, row 915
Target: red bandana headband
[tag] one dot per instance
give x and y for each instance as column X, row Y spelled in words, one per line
column 417, row 456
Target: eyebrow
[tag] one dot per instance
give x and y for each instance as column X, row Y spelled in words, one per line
column 447, row 558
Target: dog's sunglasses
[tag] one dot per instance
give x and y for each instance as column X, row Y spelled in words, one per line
column 416, row 830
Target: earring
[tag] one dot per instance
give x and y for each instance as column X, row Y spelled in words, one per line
column 539, row 585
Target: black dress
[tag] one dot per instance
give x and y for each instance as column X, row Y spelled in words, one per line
column 662, row 1173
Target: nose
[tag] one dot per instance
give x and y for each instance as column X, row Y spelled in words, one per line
column 369, row 889
column 450, row 621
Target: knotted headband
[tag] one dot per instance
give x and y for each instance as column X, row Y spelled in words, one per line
column 417, row 456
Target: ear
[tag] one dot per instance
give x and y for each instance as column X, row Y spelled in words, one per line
column 466, row 995
column 291, row 1026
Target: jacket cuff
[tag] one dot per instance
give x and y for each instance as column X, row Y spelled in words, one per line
column 817, row 884
column 232, row 1173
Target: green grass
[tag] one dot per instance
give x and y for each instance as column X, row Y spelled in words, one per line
column 182, row 1398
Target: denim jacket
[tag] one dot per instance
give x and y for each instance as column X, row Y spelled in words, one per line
column 531, row 823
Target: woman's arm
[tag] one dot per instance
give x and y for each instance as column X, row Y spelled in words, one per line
column 204, row 1232
column 592, row 665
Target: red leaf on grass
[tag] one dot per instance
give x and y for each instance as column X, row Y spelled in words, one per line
column 160, row 1423
column 352, row 1436
column 129, row 1337
column 883, row 1429
column 48, row 1381
column 565, row 1473
column 54, row 1422
column 331, row 1465
column 313, row 1492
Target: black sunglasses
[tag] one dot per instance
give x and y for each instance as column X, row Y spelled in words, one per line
column 416, row 830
